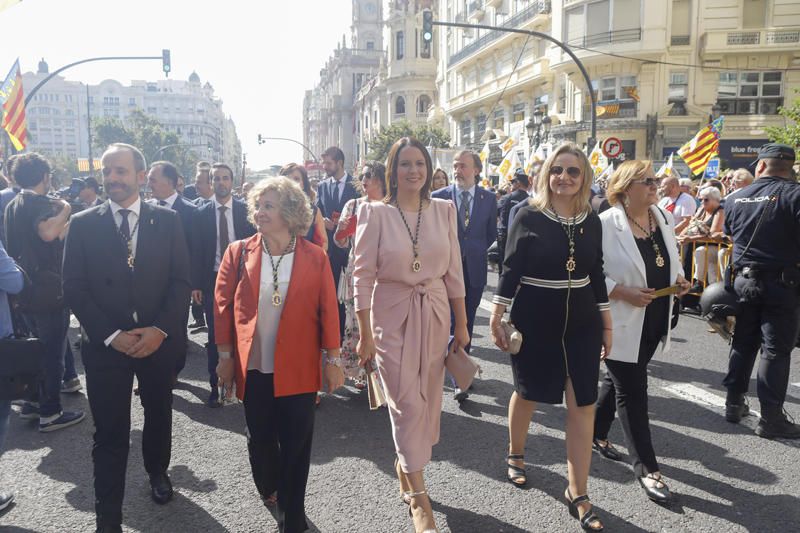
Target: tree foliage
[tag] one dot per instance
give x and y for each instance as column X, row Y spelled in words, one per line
column 64, row 169
column 428, row 135
column 789, row 134
column 148, row 135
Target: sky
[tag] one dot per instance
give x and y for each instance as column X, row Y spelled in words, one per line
column 260, row 55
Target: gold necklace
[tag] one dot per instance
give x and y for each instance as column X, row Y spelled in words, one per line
column 569, row 229
column 277, row 300
column 416, row 264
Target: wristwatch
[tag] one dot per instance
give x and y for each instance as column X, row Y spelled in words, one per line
column 335, row 361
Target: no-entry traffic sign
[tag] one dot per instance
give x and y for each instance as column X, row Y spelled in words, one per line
column 612, row 147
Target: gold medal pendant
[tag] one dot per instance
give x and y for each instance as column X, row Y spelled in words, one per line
column 276, row 299
column 130, row 261
column 416, row 266
column 570, row 264
column 659, row 261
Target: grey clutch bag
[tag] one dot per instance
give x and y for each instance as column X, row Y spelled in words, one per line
column 514, row 337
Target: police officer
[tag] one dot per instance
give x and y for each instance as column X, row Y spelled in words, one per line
column 519, row 193
column 763, row 219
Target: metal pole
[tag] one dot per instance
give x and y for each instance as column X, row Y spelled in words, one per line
column 89, row 131
column 590, row 142
column 39, row 85
column 261, row 140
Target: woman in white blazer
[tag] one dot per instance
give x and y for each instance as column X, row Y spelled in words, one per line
column 640, row 256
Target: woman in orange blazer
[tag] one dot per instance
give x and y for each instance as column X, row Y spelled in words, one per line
column 276, row 311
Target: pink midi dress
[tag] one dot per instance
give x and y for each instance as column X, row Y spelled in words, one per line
column 410, row 314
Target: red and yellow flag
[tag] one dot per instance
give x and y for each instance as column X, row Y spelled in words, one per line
column 702, row 147
column 13, row 99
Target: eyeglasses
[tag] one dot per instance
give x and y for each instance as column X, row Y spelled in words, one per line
column 649, row 181
column 365, row 176
column 574, row 172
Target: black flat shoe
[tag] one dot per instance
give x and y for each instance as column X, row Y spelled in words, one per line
column 161, row 488
column 519, row 477
column 608, row 451
column 589, row 518
column 659, row 493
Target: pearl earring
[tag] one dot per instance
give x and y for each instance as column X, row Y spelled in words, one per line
column 626, row 202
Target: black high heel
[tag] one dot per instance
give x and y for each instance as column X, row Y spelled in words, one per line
column 608, row 451
column 658, row 494
column 519, row 471
column 588, row 517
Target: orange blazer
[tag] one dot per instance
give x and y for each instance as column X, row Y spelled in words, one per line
column 309, row 322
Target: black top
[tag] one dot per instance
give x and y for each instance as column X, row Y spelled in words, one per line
column 655, row 314
column 777, row 243
column 22, row 218
column 505, row 205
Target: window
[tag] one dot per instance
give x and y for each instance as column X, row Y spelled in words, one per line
column 480, row 126
column 400, row 106
column 499, row 121
column 152, row 110
column 423, row 103
column 131, row 101
column 400, row 45
column 603, row 22
column 466, row 131
column 681, row 22
column 678, row 86
column 750, row 93
column 517, row 112
column 754, row 14
column 370, row 45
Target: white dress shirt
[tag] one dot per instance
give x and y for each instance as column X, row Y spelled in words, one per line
column 231, row 232
column 170, row 201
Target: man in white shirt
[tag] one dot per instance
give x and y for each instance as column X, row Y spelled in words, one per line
column 681, row 205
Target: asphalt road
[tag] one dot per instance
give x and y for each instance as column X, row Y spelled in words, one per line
column 724, row 477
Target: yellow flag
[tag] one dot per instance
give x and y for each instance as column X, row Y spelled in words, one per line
column 484, row 155
column 509, row 143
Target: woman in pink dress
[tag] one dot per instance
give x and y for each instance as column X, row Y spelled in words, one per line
column 407, row 277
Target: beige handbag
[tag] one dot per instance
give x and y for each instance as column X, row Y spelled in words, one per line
column 374, row 389
column 513, row 335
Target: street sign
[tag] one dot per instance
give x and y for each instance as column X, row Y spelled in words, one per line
column 612, row 147
column 712, row 170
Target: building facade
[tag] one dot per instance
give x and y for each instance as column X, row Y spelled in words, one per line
column 404, row 88
column 659, row 73
column 59, row 113
column 329, row 117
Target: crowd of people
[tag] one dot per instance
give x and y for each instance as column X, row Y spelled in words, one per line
column 303, row 287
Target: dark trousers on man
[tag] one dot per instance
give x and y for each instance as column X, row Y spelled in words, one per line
column 472, row 301
column 624, row 390
column 768, row 318
column 280, row 431
column 211, row 347
column 109, row 382
column 51, row 328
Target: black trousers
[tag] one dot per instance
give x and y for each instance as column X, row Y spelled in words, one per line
column 768, row 318
column 280, row 431
column 624, row 390
column 109, row 383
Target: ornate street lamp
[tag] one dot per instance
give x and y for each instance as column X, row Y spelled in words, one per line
column 538, row 124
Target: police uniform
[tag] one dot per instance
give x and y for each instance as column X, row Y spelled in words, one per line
column 504, row 207
column 766, row 283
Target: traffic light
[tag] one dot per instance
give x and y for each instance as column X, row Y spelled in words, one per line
column 260, row 140
column 166, row 65
column 427, row 25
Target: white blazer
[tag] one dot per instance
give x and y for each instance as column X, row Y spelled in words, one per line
column 623, row 264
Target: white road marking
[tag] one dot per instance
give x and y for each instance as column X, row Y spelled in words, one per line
column 702, row 397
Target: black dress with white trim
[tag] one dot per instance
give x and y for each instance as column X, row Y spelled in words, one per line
column 556, row 310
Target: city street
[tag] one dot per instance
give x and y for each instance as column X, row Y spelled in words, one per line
column 724, row 477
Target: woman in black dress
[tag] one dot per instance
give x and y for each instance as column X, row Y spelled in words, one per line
column 553, row 271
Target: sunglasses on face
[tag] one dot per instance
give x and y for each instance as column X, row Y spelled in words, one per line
column 649, row 181
column 573, row 172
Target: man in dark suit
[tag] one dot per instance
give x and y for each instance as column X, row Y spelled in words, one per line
column 332, row 194
column 126, row 278
column 519, row 193
column 220, row 221
column 477, row 229
column 162, row 179
column 201, row 188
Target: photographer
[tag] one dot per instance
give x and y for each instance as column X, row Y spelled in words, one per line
column 35, row 227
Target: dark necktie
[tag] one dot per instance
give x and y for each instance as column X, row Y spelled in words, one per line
column 465, row 207
column 223, row 230
column 124, row 227
column 335, row 193
column 162, row 203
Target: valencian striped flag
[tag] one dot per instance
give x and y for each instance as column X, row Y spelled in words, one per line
column 13, row 100
column 703, row 146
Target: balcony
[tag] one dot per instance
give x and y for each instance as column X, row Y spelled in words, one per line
column 680, row 40
column 538, row 7
column 493, row 3
column 611, row 37
column 476, row 10
column 724, row 42
column 611, row 109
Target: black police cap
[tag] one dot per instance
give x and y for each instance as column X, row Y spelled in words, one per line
column 776, row 151
column 521, row 177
